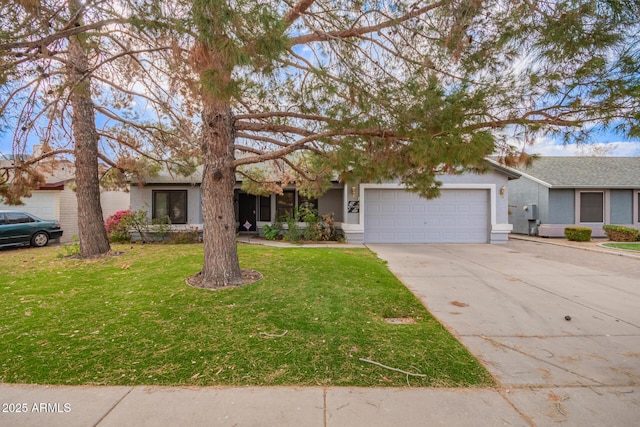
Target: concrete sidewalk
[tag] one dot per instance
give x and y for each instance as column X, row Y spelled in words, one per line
column 506, row 303
column 283, row 406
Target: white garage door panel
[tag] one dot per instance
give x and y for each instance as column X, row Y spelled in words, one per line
column 397, row 216
column 41, row 204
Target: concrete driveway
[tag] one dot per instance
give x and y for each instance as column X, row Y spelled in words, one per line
column 558, row 327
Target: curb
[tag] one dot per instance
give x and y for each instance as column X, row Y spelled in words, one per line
column 605, row 250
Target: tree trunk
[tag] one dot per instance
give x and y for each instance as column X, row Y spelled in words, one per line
column 221, row 266
column 91, row 230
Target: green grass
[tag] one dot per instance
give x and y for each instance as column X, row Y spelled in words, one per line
column 626, row 246
column 132, row 319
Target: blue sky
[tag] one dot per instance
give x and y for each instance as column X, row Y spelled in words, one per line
column 610, row 147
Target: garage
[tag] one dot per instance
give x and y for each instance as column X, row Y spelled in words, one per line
column 399, row 216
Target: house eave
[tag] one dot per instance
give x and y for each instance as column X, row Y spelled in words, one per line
column 509, row 172
column 594, row 187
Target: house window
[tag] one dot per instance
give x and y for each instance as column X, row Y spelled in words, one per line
column 171, row 204
column 592, row 207
column 285, row 204
column 303, row 200
column 265, row 208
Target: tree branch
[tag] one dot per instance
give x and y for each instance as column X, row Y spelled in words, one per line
column 269, row 127
column 297, row 10
column 312, row 117
column 45, row 41
column 301, row 144
column 320, row 36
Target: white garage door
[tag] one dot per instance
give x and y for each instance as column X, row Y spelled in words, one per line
column 398, row 216
column 41, row 204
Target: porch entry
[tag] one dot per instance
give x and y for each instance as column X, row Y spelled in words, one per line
column 247, row 211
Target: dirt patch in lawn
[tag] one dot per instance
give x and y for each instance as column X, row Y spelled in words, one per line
column 248, row 277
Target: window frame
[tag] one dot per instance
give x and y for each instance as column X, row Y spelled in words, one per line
column 154, row 205
column 302, row 200
column 264, row 208
column 602, row 208
column 289, row 209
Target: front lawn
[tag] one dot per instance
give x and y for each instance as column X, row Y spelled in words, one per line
column 626, row 246
column 131, row 319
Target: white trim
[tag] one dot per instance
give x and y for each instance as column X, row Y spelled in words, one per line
column 534, row 179
column 501, row 228
column 345, row 203
column 605, row 206
column 636, row 208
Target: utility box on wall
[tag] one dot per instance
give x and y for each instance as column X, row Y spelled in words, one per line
column 531, row 212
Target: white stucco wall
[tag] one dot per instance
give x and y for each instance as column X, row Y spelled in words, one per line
column 113, row 201
column 142, row 198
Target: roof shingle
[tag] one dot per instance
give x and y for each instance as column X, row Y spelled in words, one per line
column 585, row 172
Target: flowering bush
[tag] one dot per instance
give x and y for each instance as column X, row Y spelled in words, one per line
column 117, row 226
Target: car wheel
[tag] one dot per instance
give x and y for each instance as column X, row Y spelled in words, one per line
column 40, row 239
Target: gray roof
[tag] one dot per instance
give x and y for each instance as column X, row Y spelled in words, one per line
column 585, row 172
column 167, row 177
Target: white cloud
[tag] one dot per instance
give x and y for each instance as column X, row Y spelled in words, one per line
column 550, row 147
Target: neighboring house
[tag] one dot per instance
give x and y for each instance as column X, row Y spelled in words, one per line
column 556, row 192
column 472, row 208
column 56, row 199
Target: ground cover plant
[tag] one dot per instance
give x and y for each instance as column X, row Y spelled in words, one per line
column 131, row 319
column 626, row 246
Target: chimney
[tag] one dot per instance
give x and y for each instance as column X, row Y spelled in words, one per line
column 37, row 150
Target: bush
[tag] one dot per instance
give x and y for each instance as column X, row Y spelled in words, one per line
column 317, row 228
column 293, row 233
column 117, row 226
column 327, row 228
column 70, row 249
column 120, row 224
column 191, row 235
column 271, row 232
column 578, row 234
column 619, row 233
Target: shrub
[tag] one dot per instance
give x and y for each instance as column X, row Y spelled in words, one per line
column 619, row 233
column 317, row 228
column 327, row 228
column 117, row 226
column 293, row 233
column 309, row 214
column 191, row 235
column 70, row 249
column 271, row 232
column 578, row 234
column 120, row 224
column 139, row 221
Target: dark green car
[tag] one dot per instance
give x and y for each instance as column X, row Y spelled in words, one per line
column 21, row 228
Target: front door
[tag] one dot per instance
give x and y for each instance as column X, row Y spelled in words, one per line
column 247, row 211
